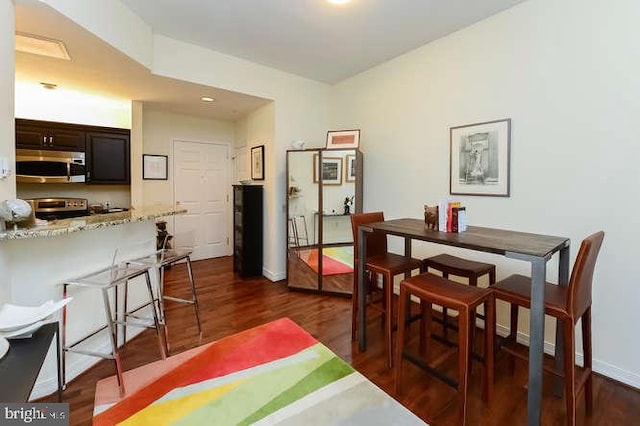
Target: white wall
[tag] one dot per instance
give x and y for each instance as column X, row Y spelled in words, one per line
column 7, row 130
column 159, row 131
column 566, row 73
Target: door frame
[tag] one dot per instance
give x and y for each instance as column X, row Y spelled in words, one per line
column 227, row 205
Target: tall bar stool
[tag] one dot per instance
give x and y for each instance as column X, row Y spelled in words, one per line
column 379, row 262
column 161, row 259
column 567, row 304
column 431, row 288
column 469, row 269
column 120, row 272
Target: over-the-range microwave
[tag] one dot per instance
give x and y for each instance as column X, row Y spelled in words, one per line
column 40, row 166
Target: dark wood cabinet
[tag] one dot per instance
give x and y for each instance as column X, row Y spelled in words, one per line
column 108, row 149
column 32, row 134
column 247, row 230
column 108, row 157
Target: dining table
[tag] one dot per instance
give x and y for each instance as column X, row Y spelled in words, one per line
column 537, row 249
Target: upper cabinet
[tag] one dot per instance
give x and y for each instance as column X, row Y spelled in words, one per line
column 31, row 134
column 107, row 149
column 108, row 158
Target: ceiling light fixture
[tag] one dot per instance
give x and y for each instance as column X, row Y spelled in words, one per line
column 49, row 86
column 207, row 99
column 338, row 1
column 38, row 45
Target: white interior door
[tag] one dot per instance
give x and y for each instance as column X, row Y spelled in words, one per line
column 201, row 175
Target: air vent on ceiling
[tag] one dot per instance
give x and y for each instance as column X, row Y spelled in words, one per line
column 43, row 46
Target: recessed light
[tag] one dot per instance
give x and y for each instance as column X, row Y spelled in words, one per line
column 207, row 99
column 49, row 86
column 338, row 1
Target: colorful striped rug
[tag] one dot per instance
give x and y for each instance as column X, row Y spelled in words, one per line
column 335, row 260
column 275, row 373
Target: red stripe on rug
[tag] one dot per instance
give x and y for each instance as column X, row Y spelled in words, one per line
column 250, row 348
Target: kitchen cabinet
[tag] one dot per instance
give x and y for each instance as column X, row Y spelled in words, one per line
column 108, row 157
column 32, row 134
column 247, row 230
column 324, row 188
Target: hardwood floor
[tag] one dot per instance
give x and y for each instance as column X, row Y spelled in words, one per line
column 230, row 304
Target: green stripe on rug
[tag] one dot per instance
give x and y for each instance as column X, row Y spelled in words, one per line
column 332, row 370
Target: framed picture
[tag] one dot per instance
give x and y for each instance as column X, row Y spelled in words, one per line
column 331, row 170
column 350, row 169
column 343, row 139
column 257, row 162
column 479, row 163
column 155, row 167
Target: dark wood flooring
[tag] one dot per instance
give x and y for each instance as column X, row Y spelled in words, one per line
column 230, row 304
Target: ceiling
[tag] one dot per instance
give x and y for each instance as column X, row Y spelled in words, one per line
column 310, row 38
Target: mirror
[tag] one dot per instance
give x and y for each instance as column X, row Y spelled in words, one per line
column 324, row 187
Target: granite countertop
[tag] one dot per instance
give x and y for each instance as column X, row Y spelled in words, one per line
column 87, row 223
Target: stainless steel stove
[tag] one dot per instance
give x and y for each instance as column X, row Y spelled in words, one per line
column 59, row 208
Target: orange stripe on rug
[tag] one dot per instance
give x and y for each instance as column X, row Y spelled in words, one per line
column 233, row 353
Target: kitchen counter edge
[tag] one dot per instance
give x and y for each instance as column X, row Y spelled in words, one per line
column 87, row 223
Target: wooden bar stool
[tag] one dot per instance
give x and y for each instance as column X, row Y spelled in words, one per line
column 379, row 261
column 469, row 269
column 433, row 289
column 568, row 304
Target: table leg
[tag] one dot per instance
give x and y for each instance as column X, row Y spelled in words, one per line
column 407, row 252
column 536, row 342
column 362, row 317
column 563, row 279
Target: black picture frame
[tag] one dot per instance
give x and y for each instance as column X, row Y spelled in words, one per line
column 479, row 162
column 155, row 167
column 257, row 162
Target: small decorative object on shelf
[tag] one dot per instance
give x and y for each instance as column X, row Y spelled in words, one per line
column 431, row 217
column 348, row 201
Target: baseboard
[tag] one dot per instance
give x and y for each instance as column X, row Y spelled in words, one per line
column 600, row 367
column 273, row 276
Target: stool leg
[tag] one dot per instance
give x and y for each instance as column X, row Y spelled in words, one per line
column 463, row 362
column 126, row 312
column 586, row 349
column 161, row 344
column 354, row 303
column 64, row 337
column 513, row 335
column 489, row 348
column 194, row 296
column 569, row 371
column 112, row 337
column 402, row 306
column 388, row 327
column 162, row 319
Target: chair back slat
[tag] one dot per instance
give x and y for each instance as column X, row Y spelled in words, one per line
column 581, row 280
column 376, row 242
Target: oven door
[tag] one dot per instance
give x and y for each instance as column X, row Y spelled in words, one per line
column 34, row 166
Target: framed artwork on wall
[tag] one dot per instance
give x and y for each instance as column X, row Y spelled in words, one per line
column 350, row 169
column 479, row 158
column 257, row 162
column 331, row 170
column 155, row 167
column 343, row 139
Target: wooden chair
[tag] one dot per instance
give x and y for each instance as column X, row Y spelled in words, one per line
column 568, row 304
column 469, row 269
column 433, row 289
column 379, row 261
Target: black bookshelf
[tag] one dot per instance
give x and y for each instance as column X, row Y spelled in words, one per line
column 247, row 229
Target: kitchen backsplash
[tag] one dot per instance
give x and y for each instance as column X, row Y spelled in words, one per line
column 116, row 195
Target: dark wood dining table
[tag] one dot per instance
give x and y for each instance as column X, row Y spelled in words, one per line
column 536, row 249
